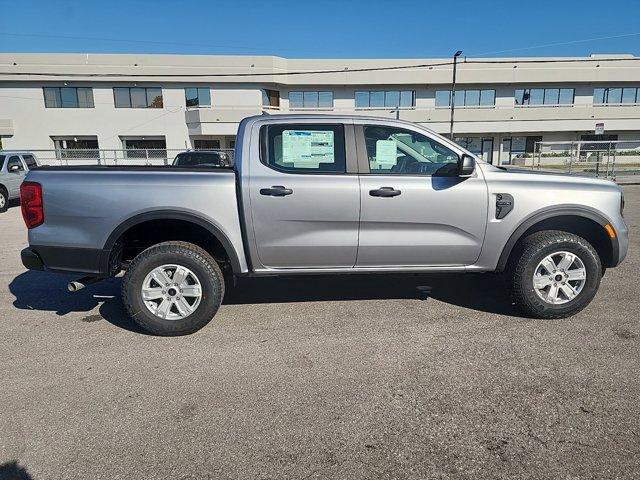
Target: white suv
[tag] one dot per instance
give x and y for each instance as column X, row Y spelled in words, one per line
column 13, row 168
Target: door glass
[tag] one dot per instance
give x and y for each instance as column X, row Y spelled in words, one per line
column 30, row 161
column 398, row 151
column 304, row 148
column 14, row 161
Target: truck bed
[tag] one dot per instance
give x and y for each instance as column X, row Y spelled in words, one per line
column 85, row 206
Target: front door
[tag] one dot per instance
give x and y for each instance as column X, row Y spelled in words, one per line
column 15, row 175
column 415, row 210
column 305, row 196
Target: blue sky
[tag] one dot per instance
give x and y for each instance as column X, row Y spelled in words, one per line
column 322, row 29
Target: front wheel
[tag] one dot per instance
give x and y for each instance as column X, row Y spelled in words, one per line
column 556, row 275
column 173, row 288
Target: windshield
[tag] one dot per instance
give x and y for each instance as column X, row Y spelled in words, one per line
column 201, row 159
column 2, row 157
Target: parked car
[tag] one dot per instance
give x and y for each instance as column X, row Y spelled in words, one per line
column 322, row 194
column 13, row 168
column 202, row 158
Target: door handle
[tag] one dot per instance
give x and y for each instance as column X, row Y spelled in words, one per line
column 276, row 191
column 385, row 192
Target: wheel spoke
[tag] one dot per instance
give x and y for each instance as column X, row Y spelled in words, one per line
column 567, row 260
column 190, row 291
column 552, row 294
column 577, row 274
column 541, row 282
column 568, row 291
column 160, row 277
column 183, row 306
column 164, row 308
column 549, row 264
column 180, row 276
column 151, row 293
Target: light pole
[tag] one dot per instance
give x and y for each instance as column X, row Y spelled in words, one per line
column 453, row 90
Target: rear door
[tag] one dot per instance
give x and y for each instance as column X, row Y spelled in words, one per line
column 415, row 210
column 305, row 195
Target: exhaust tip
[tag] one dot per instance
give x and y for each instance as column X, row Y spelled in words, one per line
column 75, row 286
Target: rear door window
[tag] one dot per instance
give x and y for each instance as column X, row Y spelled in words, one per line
column 30, row 161
column 300, row 148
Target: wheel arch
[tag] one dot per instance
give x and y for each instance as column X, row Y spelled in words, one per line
column 583, row 221
column 158, row 216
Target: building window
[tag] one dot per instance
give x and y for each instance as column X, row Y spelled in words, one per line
column 386, row 99
column 311, row 100
column 544, row 96
column 76, row 147
column 137, row 97
column 145, row 147
column 466, row 98
column 615, row 96
column 270, row 98
column 197, row 97
column 68, row 97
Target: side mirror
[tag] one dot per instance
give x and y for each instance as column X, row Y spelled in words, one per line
column 466, row 165
column 14, row 168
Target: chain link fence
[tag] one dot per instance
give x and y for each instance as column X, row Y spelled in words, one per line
column 603, row 158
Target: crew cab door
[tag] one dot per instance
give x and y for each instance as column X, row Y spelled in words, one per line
column 305, row 195
column 416, row 211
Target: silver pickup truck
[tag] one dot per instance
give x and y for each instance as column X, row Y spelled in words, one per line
column 322, row 194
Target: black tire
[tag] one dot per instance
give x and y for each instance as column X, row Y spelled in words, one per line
column 4, row 200
column 179, row 253
column 532, row 251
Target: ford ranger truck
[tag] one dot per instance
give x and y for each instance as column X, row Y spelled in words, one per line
column 322, row 194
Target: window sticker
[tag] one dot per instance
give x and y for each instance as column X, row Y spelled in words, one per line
column 307, row 148
column 386, row 153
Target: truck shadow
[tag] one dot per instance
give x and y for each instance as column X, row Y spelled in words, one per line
column 42, row 291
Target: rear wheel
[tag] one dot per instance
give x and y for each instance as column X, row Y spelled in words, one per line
column 4, row 200
column 556, row 275
column 173, row 288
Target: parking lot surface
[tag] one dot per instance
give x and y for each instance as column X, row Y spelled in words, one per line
column 334, row 377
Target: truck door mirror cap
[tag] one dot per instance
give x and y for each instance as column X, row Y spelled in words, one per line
column 466, row 165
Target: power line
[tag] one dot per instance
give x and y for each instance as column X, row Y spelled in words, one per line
column 320, row 72
column 125, row 40
column 559, row 44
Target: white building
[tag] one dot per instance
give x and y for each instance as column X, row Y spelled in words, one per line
column 122, row 102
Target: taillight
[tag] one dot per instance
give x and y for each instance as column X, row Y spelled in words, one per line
column 31, row 204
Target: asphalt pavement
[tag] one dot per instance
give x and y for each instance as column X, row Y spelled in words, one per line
column 378, row 377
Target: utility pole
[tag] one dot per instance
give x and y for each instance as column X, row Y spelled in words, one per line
column 453, row 91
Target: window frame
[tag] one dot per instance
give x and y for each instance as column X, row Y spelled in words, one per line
column 461, row 98
column 304, row 93
column 57, row 95
column 546, row 91
column 384, row 93
column 265, row 151
column 146, row 97
column 363, row 154
column 199, row 92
